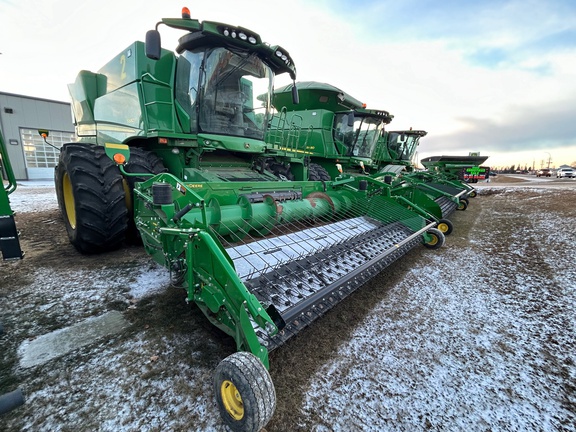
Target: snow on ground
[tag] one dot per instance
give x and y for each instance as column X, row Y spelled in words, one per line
column 33, row 196
column 488, row 346
column 473, row 338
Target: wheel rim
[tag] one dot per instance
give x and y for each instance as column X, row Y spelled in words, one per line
column 232, row 400
column 433, row 240
column 69, row 200
column 127, row 195
column 442, row 226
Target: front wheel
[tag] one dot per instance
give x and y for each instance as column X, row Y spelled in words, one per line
column 244, row 392
column 91, row 198
column 317, row 173
column 434, row 239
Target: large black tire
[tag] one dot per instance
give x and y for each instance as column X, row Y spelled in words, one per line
column 317, row 173
column 244, row 392
column 91, row 198
column 141, row 161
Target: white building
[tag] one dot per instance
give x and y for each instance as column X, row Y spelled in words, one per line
column 20, row 119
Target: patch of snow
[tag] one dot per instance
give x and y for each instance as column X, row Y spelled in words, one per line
column 32, row 197
column 149, row 281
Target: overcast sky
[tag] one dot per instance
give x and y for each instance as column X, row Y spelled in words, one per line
column 493, row 76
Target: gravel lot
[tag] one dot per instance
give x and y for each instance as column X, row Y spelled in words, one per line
column 477, row 336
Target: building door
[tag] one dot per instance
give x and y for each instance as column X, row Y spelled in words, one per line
column 40, row 157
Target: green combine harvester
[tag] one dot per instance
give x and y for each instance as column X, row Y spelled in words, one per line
column 341, row 137
column 173, row 153
column 9, row 242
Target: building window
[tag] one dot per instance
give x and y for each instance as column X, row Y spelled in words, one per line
column 38, row 153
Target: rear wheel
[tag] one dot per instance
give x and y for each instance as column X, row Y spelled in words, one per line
column 317, row 173
column 141, row 161
column 244, row 392
column 91, row 198
column 435, row 239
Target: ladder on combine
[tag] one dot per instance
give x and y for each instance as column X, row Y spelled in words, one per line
column 9, row 242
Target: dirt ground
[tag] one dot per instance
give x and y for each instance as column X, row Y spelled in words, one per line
column 156, row 374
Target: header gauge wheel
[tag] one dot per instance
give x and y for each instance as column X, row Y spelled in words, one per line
column 244, row 392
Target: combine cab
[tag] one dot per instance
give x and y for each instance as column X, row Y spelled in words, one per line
column 173, row 154
column 9, row 242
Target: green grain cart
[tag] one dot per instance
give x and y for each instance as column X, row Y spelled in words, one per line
column 453, row 170
column 173, row 154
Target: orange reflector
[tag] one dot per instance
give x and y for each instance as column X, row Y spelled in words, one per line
column 185, row 12
column 363, row 105
column 119, row 158
column 44, row 134
column 162, row 140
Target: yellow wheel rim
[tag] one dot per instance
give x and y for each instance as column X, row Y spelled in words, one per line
column 69, row 200
column 127, row 195
column 232, row 400
column 433, row 240
column 443, row 227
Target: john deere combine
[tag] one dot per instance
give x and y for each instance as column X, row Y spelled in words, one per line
column 9, row 242
column 343, row 138
column 173, row 153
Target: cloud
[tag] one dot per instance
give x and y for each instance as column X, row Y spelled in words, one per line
column 485, row 74
column 525, row 129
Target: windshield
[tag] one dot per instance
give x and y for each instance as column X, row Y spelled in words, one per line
column 217, row 89
column 402, row 146
column 360, row 137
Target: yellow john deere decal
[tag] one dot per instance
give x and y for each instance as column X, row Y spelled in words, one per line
column 195, row 185
column 116, row 146
column 294, row 150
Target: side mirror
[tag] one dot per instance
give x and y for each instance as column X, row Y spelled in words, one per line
column 351, row 119
column 295, row 97
column 153, row 44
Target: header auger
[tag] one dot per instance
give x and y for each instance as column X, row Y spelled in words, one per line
column 174, row 152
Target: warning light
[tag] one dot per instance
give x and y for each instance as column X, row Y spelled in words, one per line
column 185, row 13
column 339, row 168
column 364, row 105
column 162, row 140
column 119, row 158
